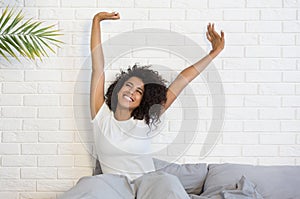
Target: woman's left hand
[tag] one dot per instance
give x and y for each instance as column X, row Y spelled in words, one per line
column 217, row 41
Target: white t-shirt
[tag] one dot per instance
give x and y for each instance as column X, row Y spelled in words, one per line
column 122, row 147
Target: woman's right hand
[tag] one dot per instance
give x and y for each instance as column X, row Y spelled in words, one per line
column 106, row 16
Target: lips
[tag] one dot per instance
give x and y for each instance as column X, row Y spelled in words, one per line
column 128, row 98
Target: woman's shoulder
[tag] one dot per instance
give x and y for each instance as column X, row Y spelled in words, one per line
column 102, row 112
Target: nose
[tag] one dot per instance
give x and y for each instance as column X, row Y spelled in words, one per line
column 131, row 91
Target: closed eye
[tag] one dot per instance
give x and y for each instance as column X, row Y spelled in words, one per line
column 129, row 84
column 140, row 91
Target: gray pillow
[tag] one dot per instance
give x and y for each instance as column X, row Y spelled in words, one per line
column 272, row 182
column 191, row 176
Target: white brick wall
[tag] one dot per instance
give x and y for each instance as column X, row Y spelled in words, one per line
column 43, row 123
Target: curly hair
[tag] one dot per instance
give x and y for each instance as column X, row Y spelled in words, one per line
column 155, row 93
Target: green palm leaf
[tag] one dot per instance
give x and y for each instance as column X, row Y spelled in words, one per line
column 27, row 39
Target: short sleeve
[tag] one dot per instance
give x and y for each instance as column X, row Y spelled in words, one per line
column 104, row 110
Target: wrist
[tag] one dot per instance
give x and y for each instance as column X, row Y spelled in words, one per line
column 97, row 19
column 214, row 53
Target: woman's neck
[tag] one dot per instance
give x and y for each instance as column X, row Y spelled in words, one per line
column 122, row 114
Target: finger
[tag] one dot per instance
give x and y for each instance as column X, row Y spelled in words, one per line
column 208, row 37
column 210, row 31
column 113, row 15
column 117, row 15
column 216, row 35
column 208, row 25
column 213, row 31
column 222, row 36
column 110, row 14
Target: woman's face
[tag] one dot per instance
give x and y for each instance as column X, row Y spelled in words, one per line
column 131, row 94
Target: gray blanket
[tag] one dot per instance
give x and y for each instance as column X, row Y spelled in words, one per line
column 152, row 186
column 244, row 189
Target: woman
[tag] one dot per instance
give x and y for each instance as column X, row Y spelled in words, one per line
column 125, row 118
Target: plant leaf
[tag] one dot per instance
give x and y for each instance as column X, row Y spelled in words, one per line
column 41, row 46
column 28, row 39
column 3, row 55
column 8, row 17
column 8, row 50
column 17, row 19
column 46, row 45
column 13, row 44
column 3, row 14
column 20, row 47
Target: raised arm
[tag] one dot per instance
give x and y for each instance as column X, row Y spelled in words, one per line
column 187, row 75
column 97, row 80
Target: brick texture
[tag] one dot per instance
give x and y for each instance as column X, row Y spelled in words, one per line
column 246, row 103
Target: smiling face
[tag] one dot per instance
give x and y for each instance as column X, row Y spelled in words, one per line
column 131, row 94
